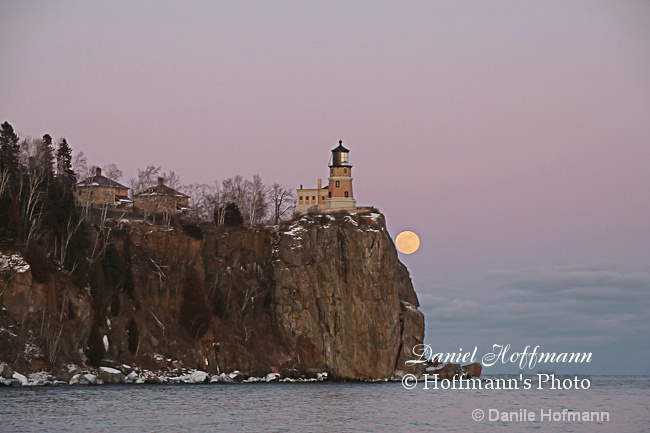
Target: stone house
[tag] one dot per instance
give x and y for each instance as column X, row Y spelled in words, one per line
column 100, row 191
column 161, row 199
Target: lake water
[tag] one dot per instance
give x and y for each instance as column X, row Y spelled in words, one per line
column 321, row 407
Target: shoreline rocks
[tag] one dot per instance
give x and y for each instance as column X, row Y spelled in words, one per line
column 108, row 375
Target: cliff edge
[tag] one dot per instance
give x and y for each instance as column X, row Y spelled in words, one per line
column 325, row 293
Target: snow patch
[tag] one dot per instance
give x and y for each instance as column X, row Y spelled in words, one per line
column 13, row 262
column 33, row 351
column 20, row 378
column 409, row 306
column 349, row 219
column 295, row 230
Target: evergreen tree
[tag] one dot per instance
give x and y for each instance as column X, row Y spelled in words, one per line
column 64, row 169
column 9, row 158
column 10, row 172
column 46, row 156
column 229, row 216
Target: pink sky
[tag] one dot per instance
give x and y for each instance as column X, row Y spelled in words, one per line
column 513, row 137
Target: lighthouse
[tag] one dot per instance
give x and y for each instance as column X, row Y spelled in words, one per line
column 339, row 195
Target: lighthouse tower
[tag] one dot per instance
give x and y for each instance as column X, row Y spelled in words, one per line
column 339, row 195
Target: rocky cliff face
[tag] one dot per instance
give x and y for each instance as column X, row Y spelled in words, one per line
column 326, row 293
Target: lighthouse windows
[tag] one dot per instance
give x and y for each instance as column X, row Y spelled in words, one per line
column 338, row 184
column 346, row 194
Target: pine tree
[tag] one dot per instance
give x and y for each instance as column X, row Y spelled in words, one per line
column 10, row 172
column 46, row 156
column 64, row 169
column 9, row 158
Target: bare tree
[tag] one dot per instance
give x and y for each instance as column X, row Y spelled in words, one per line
column 171, row 179
column 112, row 172
column 235, row 190
column 80, row 166
column 256, row 200
column 203, row 199
column 28, row 150
column 33, row 205
column 145, row 178
column 282, row 202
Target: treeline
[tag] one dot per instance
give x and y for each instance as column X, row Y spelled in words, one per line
column 37, row 206
column 37, row 183
column 223, row 202
column 240, row 201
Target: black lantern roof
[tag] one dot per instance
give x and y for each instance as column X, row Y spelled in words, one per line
column 340, row 148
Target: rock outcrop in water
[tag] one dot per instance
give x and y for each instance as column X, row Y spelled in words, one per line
column 324, row 294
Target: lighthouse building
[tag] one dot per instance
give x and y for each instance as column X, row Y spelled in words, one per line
column 337, row 195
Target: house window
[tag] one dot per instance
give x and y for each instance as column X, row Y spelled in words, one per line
column 313, row 198
column 300, row 198
column 323, row 197
column 338, row 183
column 329, row 194
column 346, row 194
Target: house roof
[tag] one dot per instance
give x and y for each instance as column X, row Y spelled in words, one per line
column 161, row 189
column 100, row 181
column 311, row 189
column 123, row 198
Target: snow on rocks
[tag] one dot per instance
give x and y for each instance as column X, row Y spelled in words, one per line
column 237, row 376
column 20, row 378
column 295, row 230
column 349, row 219
column 109, row 375
column 215, row 379
column 199, row 376
column 9, row 382
column 13, row 262
column 85, row 379
column 132, row 377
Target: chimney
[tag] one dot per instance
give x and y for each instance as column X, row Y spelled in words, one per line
column 161, row 180
column 320, row 184
column 98, row 171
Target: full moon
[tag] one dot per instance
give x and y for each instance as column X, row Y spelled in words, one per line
column 407, row 242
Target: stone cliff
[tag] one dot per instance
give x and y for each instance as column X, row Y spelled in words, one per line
column 325, row 293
